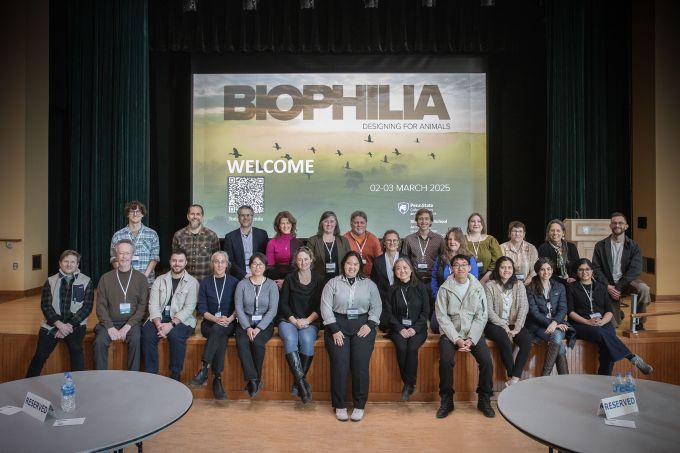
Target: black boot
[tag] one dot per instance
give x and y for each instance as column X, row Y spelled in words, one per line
column 407, row 391
column 175, row 376
column 306, row 365
column 550, row 357
column 562, row 364
column 218, row 390
column 484, row 405
column 295, row 365
column 446, row 406
column 201, row 376
column 252, row 387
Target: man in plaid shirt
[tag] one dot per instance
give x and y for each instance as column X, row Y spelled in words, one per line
column 197, row 242
column 145, row 240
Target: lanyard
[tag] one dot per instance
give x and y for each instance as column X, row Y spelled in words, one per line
column 359, row 246
column 219, row 294
column 475, row 247
column 329, row 250
column 403, row 296
column 258, row 291
column 352, row 288
column 589, row 295
column 125, row 290
column 423, row 250
column 139, row 236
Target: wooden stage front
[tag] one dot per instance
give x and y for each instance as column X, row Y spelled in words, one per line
column 20, row 320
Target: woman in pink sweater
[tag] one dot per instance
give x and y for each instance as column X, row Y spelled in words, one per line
column 281, row 249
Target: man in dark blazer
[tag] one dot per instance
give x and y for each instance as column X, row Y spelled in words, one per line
column 617, row 262
column 241, row 243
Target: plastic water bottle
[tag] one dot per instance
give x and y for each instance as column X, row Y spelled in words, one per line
column 617, row 384
column 630, row 382
column 68, row 394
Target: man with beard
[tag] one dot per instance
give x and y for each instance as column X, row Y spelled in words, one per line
column 617, row 262
column 171, row 315
column 197, row 242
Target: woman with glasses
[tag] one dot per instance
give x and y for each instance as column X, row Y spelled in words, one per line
column 350, row 308
column 407, row 310
column 547, row 319
column 522, row 253
column 560, row 251
column 590, row 311
column 299, row 319
column 483, row 247
column 216, row 305
column 382, row 273
column 328, row 246
column 257, row 300
column 508, row 308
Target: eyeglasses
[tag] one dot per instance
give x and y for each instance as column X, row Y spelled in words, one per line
column 135, row 212
column 584, row 269
column 257, row 264
column 391, row 240
column 460, row 266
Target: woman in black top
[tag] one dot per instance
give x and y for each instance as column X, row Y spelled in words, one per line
column 590, row 311
column 407, row 310
column 547, row 319
column 299, row 318
column 563, row 253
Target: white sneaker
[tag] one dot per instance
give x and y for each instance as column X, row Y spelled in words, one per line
column 341, row 414
column 357, row 415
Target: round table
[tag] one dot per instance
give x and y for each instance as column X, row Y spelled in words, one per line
column 120, row 407
column 561, row 412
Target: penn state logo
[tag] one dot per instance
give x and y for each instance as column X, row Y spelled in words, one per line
column 403, row 207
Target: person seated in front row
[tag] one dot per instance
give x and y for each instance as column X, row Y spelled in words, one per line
column 171, row 315
column 547, row 320
column 508, row 308
column 299, row 319
column 216, row 305
column 350, row 308
column 454, row 243
column 407, row 310
column 590, row 311
column 281, row 248
column 257, row 301
column 462, row 314
column 122, row 295
column 66, row 302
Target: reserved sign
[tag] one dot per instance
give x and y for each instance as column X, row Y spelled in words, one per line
column 619, row 405
column 36, row 406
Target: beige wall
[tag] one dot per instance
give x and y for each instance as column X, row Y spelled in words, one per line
column 667, row 137
column 23, row 141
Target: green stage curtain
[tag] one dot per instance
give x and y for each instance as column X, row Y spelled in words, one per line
column 104, row 157
column 588, row 73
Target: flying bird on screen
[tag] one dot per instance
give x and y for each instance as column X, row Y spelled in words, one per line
column 235, row 153
column 370, row 154
column 396, row 151
column 276, row 145
column 417, row 141
column 432, row 154
column 385, row 161
column 338, row 152
column 287, row 157
column 312, row 149
column 369, row 139
column 309, row 176
column 347, row 167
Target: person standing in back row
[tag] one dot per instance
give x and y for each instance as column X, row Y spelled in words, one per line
column 243, row 242
column 197, row 242
column 363, row 241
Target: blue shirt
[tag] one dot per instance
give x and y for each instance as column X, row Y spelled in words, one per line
column 207, row 296
column 147, row 248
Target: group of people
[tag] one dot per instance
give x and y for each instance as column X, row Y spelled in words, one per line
column 465, row 285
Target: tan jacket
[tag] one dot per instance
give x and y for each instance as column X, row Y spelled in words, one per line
column 183, row 301
column 518, row 309
column 461, row 318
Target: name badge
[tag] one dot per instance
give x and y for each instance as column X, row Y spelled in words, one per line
column 520, row 277
column 422, row 266
column 167, row 309
column 363, row 260
column 218, row 314
column 135, row 257
column 480, row 265
column 330, row 268
column 256, row 318
column 352, row 313
column 406, row 322
column 125, row 308
column 595, row 315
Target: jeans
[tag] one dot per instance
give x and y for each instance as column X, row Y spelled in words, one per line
column 556, row 337
column 177, row 341
column 295, row 339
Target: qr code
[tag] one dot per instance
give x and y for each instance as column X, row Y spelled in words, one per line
column 245, row 191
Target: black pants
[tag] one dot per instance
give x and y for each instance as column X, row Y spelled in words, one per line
column 251, row 353
column 216, row 347
column 177, row 341
column 407, row 354
column 447, row 360
column 523, row 339
column 102, row 342
column 354, row 355
column 611, row 349
column 46, row 344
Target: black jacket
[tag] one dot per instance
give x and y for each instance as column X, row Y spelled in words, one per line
column 233, row 245
column 418, row 301
column 631, row 262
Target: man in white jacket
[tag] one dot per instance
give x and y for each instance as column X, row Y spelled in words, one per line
column 461, row 311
